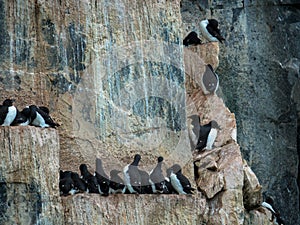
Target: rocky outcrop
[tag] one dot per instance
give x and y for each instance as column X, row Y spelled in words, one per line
column 259, row 64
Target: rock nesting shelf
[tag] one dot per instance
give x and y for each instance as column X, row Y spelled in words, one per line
column 29, row 192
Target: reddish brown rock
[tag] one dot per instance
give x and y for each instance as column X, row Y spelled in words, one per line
column 135, row 209
column 252, row 190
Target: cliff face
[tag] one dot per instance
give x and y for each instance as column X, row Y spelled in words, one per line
column 115, row 76
column 259, row 64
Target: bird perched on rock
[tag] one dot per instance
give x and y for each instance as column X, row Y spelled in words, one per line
column 179, row 182
column 22, row 117
column 157, row 179
column 116, row 183
column 79, row 184
column 71, row 187
column 202, row 136
column 92, row 183
column 207, row 135
column 191, row 39
column 209, row 29
column 66, row 184
column 269, row 204
column 132, row 175
column 210, row 80
column 8, row 112
column 40, row 117
column 102, row 178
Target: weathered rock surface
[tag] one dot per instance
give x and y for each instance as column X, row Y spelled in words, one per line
column 116, row 77
column 259, row 76
column 135, row 209
column 29, row 176
column 252, row 190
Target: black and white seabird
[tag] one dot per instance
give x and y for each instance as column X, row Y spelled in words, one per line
column 22, row 118
column 79, row 184
column 116, row 183
column 157, row 179
column 102, row 178
column 179, row 182
column 209, row 29
column 8, row 112
column 207, row 135
column 66, row 184
column 269, row 204
column 40, row 118
column 191, row 39
column 132, row 176
column 210, row 80
column 92, row 183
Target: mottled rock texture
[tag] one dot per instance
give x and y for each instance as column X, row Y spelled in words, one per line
column 148, row 209
column 116, row 77
column 29, row 176
column 259, row 76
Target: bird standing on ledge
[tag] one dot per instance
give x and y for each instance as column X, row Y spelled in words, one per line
column 209, row 29
column 8, row 112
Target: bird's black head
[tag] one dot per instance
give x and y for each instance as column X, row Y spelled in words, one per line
column 8, row 102
column 210, row 67
column 214, row 23
column 160, row 159
column 83, row 167
column 270, row 200
column 137, row 158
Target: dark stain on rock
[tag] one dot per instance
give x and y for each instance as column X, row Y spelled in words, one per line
column 61, row 84
column 49, row 31
column 3, row 200
column 22, row 198
column 4, row 38
column 55, row 49
column 76, row 48
column 236, row 14
column 158, row 107
column 10, row 80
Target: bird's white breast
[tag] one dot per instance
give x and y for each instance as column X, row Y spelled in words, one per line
column 205, row 33
column 176, row 184
column 11, row 115
column 268, row 206
column 39, row 121
column 211, row 138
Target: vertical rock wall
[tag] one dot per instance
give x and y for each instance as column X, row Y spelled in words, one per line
column 259, row 77
column 29, row 176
